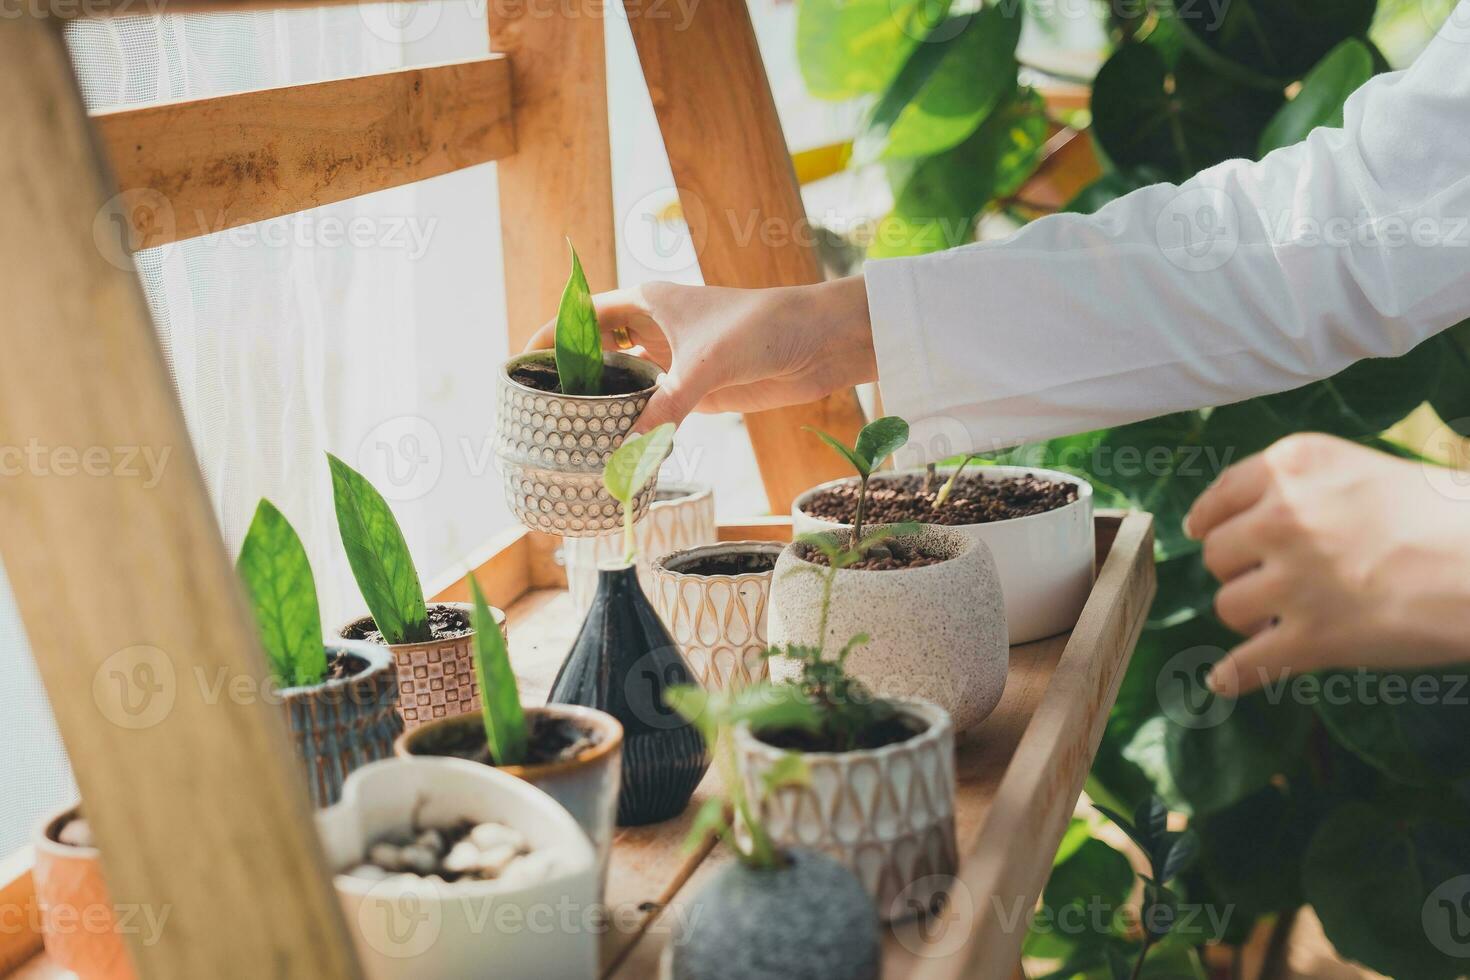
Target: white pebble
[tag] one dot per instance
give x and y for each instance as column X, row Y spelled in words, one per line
column 76, row 833
column 494, row 860
column 489, row 835
column 431, row 839
column 419, row 859
column 368, row 872
column 529, row 869
column 463, row 858
column 386, row 856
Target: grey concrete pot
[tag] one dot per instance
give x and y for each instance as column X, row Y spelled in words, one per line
column 810, row 920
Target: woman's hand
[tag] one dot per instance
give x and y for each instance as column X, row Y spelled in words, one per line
column 739, row 350
column 1332, row 555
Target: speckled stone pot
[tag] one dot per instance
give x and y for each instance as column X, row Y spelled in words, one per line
column 436, row 678
column 681, row 516
column 78, row 919
column 719, row 621
column 340, row 725
column 810, row 920
column 887, row 814
column 937, row 633
column 552, row 449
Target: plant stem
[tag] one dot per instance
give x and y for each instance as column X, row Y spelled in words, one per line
column 948, row 487
column 1148, row 941
column 930, row 470
column 630, row 544
column 857, row 518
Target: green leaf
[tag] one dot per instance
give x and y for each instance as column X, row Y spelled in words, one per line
column 1320, row 100
column 277, row 576
column 1177, row 851
column 696, row 705
column 709, row 821
column 1277, row 38
column 1451, row 396
column 947, row 88
column 847, row 48
column 636, row 462
column 1151, row 818
column 1362, row 400
column 858, row 461
column 578, row 340
column 379, row 557
column 1252, row 852
column 1214, row 767
column 880, row 439
column 789, row 770
column 1095, row 879
column 1139, row 835
column 768, row 707
column 500, row 700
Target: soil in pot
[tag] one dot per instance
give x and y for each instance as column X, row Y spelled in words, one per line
column 756, row 563
column 889, row 556
column 551, row 739
column 342, row 665
column 974, row 500
column 543, row 377
column 460, row 851
column 890, row 731
column 445, row 623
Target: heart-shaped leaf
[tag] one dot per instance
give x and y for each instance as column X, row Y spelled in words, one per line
column 379, row 557
column 1319, row 101
column 578, row 339
column 500, row 700
column 277, row 576
column 880, row 439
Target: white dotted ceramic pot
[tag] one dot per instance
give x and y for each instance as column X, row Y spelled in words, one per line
column 935, row 633
column 1045, row 560
column 552, row 449
column 886, row 813
column 681, row 516
column 719, row 621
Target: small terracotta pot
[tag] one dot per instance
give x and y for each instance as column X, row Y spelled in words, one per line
column 339, row 725
column 719, row 621
column 79, row 920
column 937, row 632
column 436, row 678
column 552, row 449
column 587, row 785
column 681, row 516
column 887, row 814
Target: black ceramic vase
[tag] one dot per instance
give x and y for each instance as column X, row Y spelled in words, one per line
column 622, row 662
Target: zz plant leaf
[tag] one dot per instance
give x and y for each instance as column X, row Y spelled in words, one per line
column 629, row 469
column 506, row 733
column 878, row 440
column 277, row 576
column 578, row 339
column 379, row 557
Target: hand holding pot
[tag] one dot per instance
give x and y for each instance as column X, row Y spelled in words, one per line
column 1333, row 555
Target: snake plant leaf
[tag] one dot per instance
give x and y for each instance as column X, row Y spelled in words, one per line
column 277, row 576
column 1320, row 100
column 578, row 339
column 506, row 733
column 379, row 557
column 636, row 461
column 880, row 439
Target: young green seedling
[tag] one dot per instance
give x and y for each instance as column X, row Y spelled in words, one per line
column 878, row 440
column 948, row 487
column 629, row 468
column 578, row 339
column 379, row 557
column 506, row 733
column 1169, row 853
column 277, row 576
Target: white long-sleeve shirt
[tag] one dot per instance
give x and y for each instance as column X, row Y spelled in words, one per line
column 1250, row 278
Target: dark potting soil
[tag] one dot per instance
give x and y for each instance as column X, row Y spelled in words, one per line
column 543, row 377
column 737, row 564
column 342, row 665
column 974, row 500
column 889, row 556
column 890, row 731
column 445, row 623
column 551, row 740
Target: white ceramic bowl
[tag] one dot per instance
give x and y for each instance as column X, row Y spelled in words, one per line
column 1045, row 560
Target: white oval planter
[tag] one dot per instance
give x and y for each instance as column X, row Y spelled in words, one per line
column 936, row 633
column 887, row 813
column 681, row 516
column 1045, row 560
column 411, row 928
column 719, row 621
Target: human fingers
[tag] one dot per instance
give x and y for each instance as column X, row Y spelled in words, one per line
column 680, row 391
column 622, row 316
column 1251, row 601
column 1235, row 546
column 1273, row 652
column 1237, row 488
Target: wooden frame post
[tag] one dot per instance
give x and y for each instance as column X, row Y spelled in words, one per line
column 137, row 623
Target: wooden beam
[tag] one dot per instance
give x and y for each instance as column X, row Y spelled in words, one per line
column 207, row 165
column 129, row 599
column 558, row 185
column 741, row 201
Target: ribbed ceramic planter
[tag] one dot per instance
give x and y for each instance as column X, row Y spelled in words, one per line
column 339, row 725
column 436, row 678
column 78, row 921
column 1045, row 560
column 552, row 449
column 409, row 928
column 887, row 813
column 936, row 633
column 622, row 662
column 719, row 621
column 681, row 516
column 587, row 785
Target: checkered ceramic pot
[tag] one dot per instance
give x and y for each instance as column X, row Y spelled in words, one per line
column 887, row 813
column 552, row 449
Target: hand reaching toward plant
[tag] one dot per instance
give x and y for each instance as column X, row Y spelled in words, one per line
column 739, row 350
column 1333, row 555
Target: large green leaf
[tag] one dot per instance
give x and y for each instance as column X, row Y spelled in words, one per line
column 1451, row 395
column 1252, row 852
column 848, row 48
column 578, row 340
column 1363, row 400
column 500, row 699
column 1080, row 902
column 379, row 557
column 880, row 439
column 1412, row 727
column 1321, row 98
column 277, row 576
column 947, row 88
column 1282, row 39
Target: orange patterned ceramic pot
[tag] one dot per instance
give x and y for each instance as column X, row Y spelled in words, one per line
column 79, row 920
column 681, row 516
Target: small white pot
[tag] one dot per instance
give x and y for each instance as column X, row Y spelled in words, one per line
column 719, row 621
column 681, row 516
column 887, row 813
column 411, row 928
column 1045, row 560
column 937, row 633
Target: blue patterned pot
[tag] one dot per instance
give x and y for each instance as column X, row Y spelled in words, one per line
column 339, row 725
column 621, row 663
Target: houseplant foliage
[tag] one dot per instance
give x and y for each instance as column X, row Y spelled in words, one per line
column 277, row 576
column 1356, row 804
